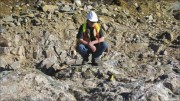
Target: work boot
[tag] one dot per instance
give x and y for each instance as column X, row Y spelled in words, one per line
column 96, row 61
column 85, row 61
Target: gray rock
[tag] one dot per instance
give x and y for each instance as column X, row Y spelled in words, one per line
column 36, row 85
column 136, row 4
column 106, row 19
column 126, row 12
column 138, row 46
column 18, row 23
column 15, row 65
column 31, row 15
column 4, row 50
column 36, row 22
column 76, row 76
column 104, row 11
column 63, row 56
column 77, row 2
column 167, row 68
column 63, row 74
column 153, row 97
column 173, row 82
column 85, row 8
column 48, row 62
column 79, row 95
column 164, row 53
column 89, row 7
column 78, row 19
column 66, row 8
column 8, row 19
column 3, row 62
column 2, row 29
column 21, row 51
column 89, row 83
column 63, row 96
column 20, row 19
column 11, row 24
column 158, row 63
column 174, row 9
column 177, row 70
column 50, row 8
column 160, row 91
column 105, row 27
column 49, row 52
column 177, row 91
column 150, row 18
column 49, row 16
column 88, row 74
column 95, row 4
column 16, row 40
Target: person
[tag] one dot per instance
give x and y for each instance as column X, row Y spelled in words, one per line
column 91, row 40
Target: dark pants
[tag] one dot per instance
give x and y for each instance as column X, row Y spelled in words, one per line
column 84, row 50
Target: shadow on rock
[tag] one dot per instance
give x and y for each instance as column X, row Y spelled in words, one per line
column 48, row 71
column 5, row 69
column 127, row 96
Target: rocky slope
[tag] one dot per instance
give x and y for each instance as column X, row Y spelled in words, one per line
column 38, row 60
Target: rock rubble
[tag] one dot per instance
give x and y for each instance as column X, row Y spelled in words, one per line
column 38, row 60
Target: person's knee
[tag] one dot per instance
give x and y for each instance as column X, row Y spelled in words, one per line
column 104, row 45
column 79, row 47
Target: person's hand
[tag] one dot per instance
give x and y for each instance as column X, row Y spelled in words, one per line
column 91, row 45
column 93, row 48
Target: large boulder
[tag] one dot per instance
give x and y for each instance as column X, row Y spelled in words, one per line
column 37, row 86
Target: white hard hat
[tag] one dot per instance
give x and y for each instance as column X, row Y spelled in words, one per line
column 91, row 16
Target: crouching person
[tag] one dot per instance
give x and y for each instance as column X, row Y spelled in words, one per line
column 91, row 40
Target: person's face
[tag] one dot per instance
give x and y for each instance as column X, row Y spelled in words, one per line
column 90, row 24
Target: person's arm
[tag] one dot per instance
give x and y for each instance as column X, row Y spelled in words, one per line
column 83, row 41
column 89, row 44
column 98, row 40
column 80, row 36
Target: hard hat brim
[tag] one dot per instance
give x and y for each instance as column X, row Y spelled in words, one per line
column 93, row 20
